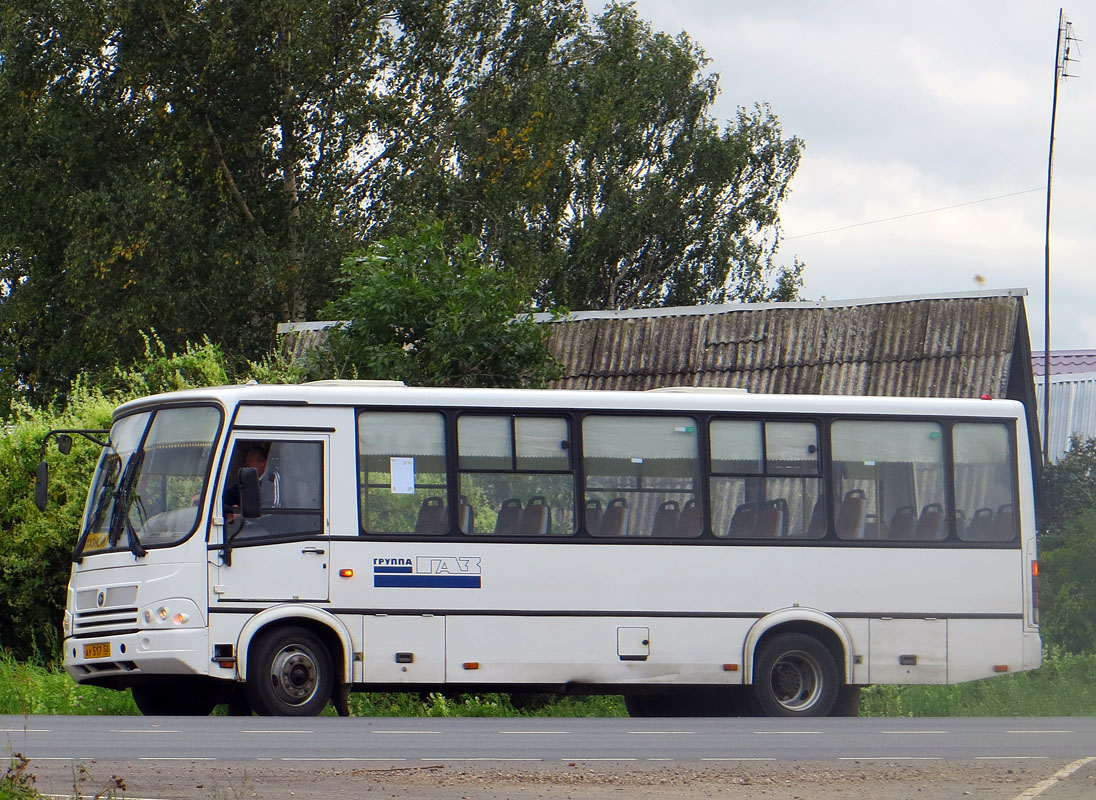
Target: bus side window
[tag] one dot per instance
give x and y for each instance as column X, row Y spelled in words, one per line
column 516, row 472
column 984, row 481
column 290, row 488
column 766, row 480
column 889, row 480
column 402, row 482
column 644, row 470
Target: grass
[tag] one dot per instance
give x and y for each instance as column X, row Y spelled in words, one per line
column 1064, row 686
column 29, row 689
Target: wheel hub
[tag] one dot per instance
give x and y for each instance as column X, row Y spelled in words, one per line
column 795, row 681
column 294, row 675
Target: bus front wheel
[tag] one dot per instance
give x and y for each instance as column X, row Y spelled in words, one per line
column 795, row 676
column 289, row 673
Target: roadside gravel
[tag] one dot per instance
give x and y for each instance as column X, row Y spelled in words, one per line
column 874, row 780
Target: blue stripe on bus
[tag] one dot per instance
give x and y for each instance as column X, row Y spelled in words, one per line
column 427, row 581
column 378, row 570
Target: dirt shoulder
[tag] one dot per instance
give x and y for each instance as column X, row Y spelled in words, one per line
column 874, row 780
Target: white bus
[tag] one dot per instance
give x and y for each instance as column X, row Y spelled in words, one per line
column 698, row 551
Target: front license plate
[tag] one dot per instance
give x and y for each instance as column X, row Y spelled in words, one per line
column 97, row 650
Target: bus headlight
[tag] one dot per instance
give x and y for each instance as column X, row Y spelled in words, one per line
column 174, row 613
column 66, row 625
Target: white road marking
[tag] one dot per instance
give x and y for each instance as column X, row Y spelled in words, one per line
column 176, row 758
column 142, row 730
column 598, row 759
column 661, row 733
column 407, row 733
column 276, row 731
column 1060, row 775
column 24, row 730
column 888, row 758
column 535, row 733
column 904, row 733
column 785, row 733
column 731, row 758
column 1011, row 758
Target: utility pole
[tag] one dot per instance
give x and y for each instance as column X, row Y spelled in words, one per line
column 1065, row 41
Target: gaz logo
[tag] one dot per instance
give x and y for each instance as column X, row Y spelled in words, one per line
column 427, row 572
column 446, row 565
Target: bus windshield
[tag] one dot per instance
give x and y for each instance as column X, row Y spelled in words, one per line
column 149, row 481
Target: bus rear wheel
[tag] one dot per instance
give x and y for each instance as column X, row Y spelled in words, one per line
column 289, row 673
column 795, row 676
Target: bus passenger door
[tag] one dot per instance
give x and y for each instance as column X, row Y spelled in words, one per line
column 285, row 554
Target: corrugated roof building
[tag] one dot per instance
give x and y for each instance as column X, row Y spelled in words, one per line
column 1063, row 362
column 960, row 345
column 968, row 344
column 1072, row 409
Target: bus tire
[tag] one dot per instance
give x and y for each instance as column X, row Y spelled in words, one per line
column 848, row 702
column 173, row 701
column 289, row 673
column 795, row 676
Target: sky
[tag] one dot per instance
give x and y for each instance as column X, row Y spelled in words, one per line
column 908, row 107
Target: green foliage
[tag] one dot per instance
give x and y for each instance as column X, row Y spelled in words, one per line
column 1067, row 583
column 1064, row 686
column 27, row 689
column 203, row 168
column 17, row 782
column 654, row 204
column 1069, row 485
column 427, row 312
column 1067, row 550
column 36, row 547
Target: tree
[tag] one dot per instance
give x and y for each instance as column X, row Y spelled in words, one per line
column 169, row 165
column 427, row 312
column 203, row 168
column 36, row 547
column 1067, row 549
column 594, row 168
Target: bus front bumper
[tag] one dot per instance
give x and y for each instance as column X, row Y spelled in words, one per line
column 122, row 660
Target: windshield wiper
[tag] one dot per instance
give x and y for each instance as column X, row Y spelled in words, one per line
column 106, row 494
column 120, row 520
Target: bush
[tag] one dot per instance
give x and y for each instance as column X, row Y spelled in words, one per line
column 431, row 313
column 35, row 547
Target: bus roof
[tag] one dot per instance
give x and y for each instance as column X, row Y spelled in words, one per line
column 390, row 393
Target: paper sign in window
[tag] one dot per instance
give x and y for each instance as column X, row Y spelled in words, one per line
column 403, row 475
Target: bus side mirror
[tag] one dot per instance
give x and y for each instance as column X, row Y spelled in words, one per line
column 64, row 443
column 250, row 502
column 41, row 485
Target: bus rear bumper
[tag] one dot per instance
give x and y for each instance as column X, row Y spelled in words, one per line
column 1033, row 650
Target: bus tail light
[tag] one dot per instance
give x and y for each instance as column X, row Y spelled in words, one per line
column 1035, row 592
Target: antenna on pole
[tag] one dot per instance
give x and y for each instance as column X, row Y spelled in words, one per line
column 1066, row 42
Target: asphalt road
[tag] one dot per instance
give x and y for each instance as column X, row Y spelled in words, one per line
column 394, row 741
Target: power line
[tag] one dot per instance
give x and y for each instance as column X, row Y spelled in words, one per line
column 915, row 213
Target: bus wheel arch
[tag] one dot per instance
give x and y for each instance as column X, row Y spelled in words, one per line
column 798, row 662
column 303, row 640
column 289, row 673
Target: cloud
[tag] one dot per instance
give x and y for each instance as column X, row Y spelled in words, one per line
column 910, row 107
